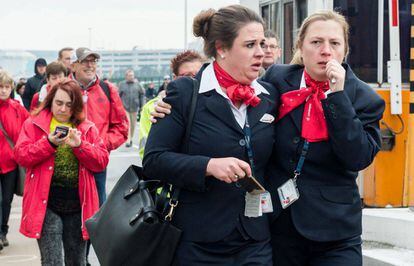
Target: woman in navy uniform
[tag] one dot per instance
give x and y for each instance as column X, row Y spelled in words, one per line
column 233, row 113
column 324, row 105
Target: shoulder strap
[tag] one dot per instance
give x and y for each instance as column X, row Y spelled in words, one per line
column 6, row 135
column 161, row 201
column 105, row 88
column 196, row 87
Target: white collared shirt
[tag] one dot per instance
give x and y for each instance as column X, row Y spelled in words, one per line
column 209, row 82
column 303, row 85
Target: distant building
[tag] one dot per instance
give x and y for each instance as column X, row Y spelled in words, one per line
column 145, row 63
column 17, row 62
column 148, row 64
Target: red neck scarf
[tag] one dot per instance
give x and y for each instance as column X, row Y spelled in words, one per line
column 236, row 91
column 314, row 126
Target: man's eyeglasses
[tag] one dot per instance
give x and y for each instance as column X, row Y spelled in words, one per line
column 90, row 61
column 273, row 47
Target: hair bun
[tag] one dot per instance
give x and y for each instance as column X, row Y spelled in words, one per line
column 201, row 22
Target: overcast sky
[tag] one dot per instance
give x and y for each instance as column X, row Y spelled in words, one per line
column 114, row 24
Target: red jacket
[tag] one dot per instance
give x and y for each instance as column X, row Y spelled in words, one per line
column 12, row 117
column 34, row 151
column 36, row 97
column 35, row 102
column 109, row 117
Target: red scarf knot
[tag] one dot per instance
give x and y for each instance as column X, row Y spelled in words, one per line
column 314, row 126
column 236, row 91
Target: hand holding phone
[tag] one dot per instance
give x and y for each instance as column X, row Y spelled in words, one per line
column 63, row 130
column 58, row 136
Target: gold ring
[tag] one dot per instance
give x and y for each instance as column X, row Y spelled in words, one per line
column 236, row 176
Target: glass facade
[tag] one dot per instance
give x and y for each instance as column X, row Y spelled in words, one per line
column 284, row 17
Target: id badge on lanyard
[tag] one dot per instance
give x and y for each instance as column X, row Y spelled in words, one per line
column 288, row 192
column 258, row 201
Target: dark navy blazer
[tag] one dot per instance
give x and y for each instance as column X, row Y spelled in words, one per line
column 329, row 206
column 208, row 209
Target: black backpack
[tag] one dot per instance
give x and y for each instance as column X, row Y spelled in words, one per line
column 105, row 88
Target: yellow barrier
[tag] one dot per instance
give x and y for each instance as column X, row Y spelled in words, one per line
column 388, row 181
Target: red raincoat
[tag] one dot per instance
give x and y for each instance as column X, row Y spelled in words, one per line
column 34, row 151
column 12, row 117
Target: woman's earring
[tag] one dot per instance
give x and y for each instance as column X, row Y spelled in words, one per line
column 222, row 56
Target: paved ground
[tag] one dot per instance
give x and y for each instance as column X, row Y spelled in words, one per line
column 23, row 251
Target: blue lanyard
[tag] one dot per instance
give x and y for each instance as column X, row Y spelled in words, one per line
column 247, row 137
column 301, row 160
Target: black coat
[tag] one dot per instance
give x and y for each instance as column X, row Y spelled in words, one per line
column 33, row 85
column 208, row 209
column 329, row 207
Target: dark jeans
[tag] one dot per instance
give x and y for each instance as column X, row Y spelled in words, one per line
column 234, row 250
column 62, row 231
column 291, row 249
column 100, row 180
column 7, row 186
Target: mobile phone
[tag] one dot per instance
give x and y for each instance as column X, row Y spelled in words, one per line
column 63, row 130
column 250, row 184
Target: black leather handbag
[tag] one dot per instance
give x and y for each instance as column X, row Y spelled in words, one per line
column 128, row 230
column 133, row 226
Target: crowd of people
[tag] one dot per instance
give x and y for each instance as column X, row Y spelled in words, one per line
column 302, row 131
column 65, row 171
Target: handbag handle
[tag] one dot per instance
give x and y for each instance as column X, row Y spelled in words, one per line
column 141, row 184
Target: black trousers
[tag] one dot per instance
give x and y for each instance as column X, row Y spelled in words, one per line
column 7, row 186
column 292, row 249
column 234, row 250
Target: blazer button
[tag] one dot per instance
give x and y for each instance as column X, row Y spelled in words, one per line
column 334, row 116
column 242, row 142
column 332, row 106
column 296, row 140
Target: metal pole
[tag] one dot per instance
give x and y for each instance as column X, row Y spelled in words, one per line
column 380, row 61
column 394, row 64
column 185, row 24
